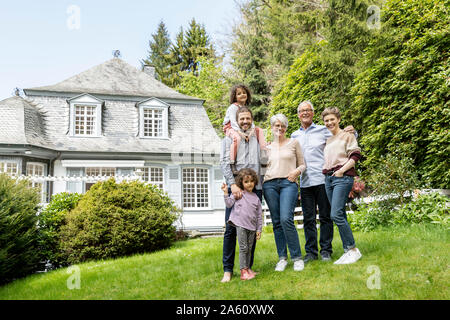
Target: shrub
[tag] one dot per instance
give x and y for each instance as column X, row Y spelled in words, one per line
column 393, row 177
column 401, row 96
column 370, row 216
column 426, row 208
column 113, row 220
column 50, row 220
column 19, row 253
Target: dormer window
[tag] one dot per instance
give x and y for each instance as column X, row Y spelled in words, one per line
column 153, row 122
column 85, row 116
column 153, row 119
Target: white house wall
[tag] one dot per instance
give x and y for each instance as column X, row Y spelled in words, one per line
column 210, row 219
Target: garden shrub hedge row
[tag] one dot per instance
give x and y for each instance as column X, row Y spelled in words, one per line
column 111, row 220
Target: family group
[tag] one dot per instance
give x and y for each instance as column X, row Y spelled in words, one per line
column 318, row 160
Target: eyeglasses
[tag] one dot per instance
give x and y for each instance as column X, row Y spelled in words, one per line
column 305, row 110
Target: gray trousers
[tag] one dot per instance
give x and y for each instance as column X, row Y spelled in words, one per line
column 245, row 240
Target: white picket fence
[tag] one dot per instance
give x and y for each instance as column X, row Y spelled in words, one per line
column 298, row 216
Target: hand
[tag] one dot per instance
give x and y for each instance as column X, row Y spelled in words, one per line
column 338, row 173
column 258, row 235
column 349, row 129
column 225, row 189
column 236, row 191
column 293, row 175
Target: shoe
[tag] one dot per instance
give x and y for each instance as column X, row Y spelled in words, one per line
column 351, row 256
column 325, row 256
column 299, row 265
column 309, row 257
column 281, row 265
column 252, row 272
column 245, row 275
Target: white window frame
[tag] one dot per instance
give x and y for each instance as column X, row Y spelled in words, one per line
column 195, row 184
column 102, row 173
column 88, row 101
column 34, row 184
column 154, row 104
column 89, row 122
column 149, row 179
column 4, row 167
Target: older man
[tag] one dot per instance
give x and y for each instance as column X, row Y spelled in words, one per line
column 312, row 138
column 248, row 156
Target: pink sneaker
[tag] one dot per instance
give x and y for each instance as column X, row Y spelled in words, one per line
column 246, row 275
column 252, row 272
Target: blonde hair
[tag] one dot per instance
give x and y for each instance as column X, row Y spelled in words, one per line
column 332, row 110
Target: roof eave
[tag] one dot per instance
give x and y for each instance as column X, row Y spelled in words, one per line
column 128, row 97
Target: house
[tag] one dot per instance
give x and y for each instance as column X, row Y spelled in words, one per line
column 115, row 120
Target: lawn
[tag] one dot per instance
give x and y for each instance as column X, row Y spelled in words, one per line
column 409, row 262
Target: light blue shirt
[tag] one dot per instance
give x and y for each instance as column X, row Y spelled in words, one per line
column 312, row 141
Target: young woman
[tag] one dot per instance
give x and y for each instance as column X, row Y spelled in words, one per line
column 341, row 153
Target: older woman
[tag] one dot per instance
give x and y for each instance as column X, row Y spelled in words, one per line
column 341, row 153
column 285, row 165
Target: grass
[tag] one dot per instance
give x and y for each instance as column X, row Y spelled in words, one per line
column 413, row 262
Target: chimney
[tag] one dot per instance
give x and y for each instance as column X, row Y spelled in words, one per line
column 150, row 70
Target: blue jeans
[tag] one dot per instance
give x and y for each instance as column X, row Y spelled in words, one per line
column 337, row 189
column 229, row 240
column 281, row 196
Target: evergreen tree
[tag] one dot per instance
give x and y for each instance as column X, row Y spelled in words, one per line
column 196, row 44
column 170, row 59
column 158, row 55
column 176, row 58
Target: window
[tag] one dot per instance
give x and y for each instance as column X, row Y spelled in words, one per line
column 195, row 188
column 85, row 116
column 153, row 119
column 104, row 172
column 154, row 175
column 85, row 120
column 96, row 172
column 11, row 168
column 153, row 122
column 37, row 169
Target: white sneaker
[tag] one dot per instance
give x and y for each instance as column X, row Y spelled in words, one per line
column 351, row 256
column 299, row 265
column 281, row 265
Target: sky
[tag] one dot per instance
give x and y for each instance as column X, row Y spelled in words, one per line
column 44, row 42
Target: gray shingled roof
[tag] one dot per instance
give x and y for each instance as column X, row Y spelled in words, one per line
column 21, row 123
column 114, row 77
column 43, row 119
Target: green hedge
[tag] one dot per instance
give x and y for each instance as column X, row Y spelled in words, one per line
column 51, row 219
column 19, row 204
column 118, row 219
column 401, row 99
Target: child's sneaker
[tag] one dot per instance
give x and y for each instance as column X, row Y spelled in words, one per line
column 281, row 265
